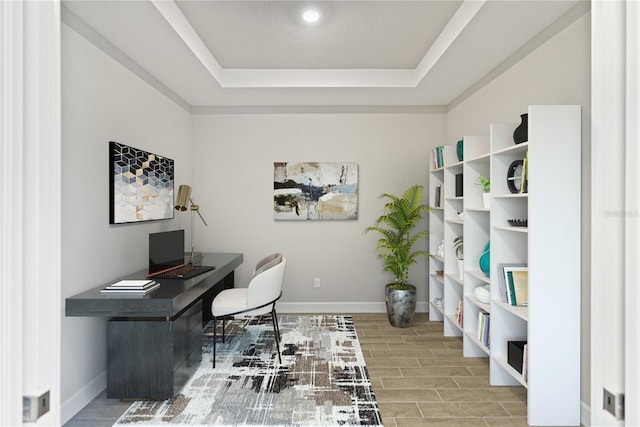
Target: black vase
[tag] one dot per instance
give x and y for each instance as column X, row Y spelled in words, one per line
column 521, row 134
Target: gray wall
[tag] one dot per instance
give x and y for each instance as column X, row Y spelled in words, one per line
column 559, row 72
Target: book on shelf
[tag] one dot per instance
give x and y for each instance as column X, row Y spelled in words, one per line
column 521, row 287
column 525, row 363
column 459, row 314
column 484, row 320
column 438, row 191
column 503, row 284
column 438, row 157
column 524, row 183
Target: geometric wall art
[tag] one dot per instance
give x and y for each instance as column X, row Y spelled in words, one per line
column 140, row 185
column 315, row 191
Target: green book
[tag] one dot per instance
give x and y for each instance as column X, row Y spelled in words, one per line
column 512, row 291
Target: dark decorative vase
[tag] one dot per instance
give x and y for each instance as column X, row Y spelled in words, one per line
column 521, row 134
column 401, row 306
column 460, row 150
column 485, row 259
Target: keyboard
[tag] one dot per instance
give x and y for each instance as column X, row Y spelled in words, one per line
column 186, row 271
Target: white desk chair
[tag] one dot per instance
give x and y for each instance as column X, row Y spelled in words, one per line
column 259, row 298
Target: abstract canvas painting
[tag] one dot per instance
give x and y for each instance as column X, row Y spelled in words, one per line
column 140, row 185
column 315, row 191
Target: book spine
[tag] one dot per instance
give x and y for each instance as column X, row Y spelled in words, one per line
column 512, row 291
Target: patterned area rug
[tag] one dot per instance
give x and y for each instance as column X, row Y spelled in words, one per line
column 322, row 381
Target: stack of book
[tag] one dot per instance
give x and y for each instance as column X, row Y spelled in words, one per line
column 140, row 287
column 460, row 314
column 483, row 327
column 514, row 284
column 438, row 158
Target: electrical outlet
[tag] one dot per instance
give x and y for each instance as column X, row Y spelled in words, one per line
column 614, row 404
column 316, row 282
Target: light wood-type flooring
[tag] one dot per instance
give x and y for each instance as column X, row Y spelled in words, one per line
column 420, row 378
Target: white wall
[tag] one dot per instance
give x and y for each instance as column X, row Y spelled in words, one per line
column 559, row 72
column 101, row 101
column 233, row 183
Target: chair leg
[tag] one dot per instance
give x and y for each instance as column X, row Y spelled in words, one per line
column 276, row 333
column 223, row 325
column 215, row 326
column 276, row 319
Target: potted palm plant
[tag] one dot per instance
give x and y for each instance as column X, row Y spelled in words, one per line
column 395, row 248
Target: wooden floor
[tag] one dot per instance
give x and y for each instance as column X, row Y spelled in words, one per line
column 419, row 377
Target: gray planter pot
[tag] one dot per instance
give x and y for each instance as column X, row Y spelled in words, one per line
column 401, row 306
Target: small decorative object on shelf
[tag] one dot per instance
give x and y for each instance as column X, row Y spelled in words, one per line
column 458, row 247
column 517, row 222
column 515, row 176
column 521, row 134
column 486, row 189
column 482, row 294
column 484, row 259
column 460, row 150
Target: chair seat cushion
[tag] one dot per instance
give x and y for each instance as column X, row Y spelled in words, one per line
column 229, row 301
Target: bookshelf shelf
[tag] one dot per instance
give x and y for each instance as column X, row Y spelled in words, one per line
column 502, row 362
column 552, row 207
column 479, row 275
column 480, row 305
column 511, row 229
column 455, row 279
column 469, row 336
column 521, row 312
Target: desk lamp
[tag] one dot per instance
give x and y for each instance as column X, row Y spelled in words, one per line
column 184, row 202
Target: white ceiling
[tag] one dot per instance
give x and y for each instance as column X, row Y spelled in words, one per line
column 246, row 54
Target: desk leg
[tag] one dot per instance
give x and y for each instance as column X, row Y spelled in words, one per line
column 149, row 359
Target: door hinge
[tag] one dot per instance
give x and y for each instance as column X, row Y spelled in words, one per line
column 33, row 407
column 614, row 404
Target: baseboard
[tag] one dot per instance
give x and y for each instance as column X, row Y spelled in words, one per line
column 83, row 397
column 585, row 414
column 341, row 307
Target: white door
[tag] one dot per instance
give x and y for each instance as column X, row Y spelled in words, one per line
column 615, row 210
column 30, row 302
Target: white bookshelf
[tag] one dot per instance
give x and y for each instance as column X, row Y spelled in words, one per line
column 549, row 245
column 476, row 235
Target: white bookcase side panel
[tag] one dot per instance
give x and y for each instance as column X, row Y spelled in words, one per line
column 554, row 265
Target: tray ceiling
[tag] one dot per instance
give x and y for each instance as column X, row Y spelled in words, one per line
column 207, row 54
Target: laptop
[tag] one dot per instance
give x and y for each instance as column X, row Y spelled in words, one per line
column 166, row 257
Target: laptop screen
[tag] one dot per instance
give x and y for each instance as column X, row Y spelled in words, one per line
column 166, row 250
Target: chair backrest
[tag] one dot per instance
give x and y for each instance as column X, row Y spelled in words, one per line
column 267, row 262
column 266, row 284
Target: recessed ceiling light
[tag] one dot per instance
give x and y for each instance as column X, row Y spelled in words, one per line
column 311, row 15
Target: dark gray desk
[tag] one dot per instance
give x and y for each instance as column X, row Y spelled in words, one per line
column 154, row 341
